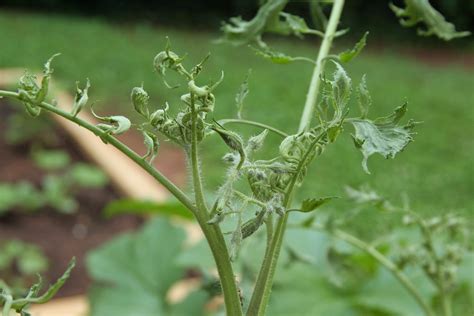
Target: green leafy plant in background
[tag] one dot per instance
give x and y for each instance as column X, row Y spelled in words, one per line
column 257, row 194
column 58, row 186
column 19, row 263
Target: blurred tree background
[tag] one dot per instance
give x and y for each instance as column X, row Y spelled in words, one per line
column 208, row 14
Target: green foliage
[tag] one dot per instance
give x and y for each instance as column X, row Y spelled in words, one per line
column 21, row 304
column 421, row 11
column 51, row 159
column 57, row 189
column 134, row 273
column 27, row 259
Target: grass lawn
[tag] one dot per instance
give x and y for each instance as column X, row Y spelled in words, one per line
column 436, row 171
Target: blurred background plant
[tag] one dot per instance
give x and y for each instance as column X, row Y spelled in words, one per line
column 20, row 263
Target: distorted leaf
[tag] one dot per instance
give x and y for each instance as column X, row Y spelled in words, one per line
column 279, row 57
column 240, row 32
column 341, row 86
column 117, row 124
column 350, row 54
column 310, row 205
column 383, row 136
column 242, row 94
column 140, row 99
column 363, row 97
column 421, row 11
column 151, row 143
column 81, row 98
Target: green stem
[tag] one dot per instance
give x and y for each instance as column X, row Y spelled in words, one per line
column 383, row 260
column 263, row 286
column 253, row 123
column 261, row 294
column 171, row 187
column 197, row 182
column 221, row 256
column 213, row 233
column 318, row 69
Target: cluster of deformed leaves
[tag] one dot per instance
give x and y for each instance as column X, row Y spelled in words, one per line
column 19, row 263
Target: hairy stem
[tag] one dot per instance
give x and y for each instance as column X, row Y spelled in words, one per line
column 313, row 90
column 7, row 305
column 261, row 294
column 213, row 233
column 383, row 260
column 263, row 286
column 171, row 187
column 197, row 182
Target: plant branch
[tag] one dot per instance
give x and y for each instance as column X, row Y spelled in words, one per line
column 213, row 233
column 197, row 182
column 312, row 95
column 264, row 282
column 253, row 123
column 171, row 187
column 261, row 294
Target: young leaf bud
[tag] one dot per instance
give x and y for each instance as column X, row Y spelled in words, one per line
column 252, row 225
column 217, row 218
column 164, row 60
column 229, row 158
column 140, row 100
column 256, row 142
column 151, row 143
column 233, row 140
column 81, row 98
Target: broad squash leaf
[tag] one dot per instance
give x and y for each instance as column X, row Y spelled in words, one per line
column 134, row 272
column 303, row 290
column 385, row 293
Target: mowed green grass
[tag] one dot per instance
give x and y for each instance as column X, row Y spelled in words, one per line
column 436, row 171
